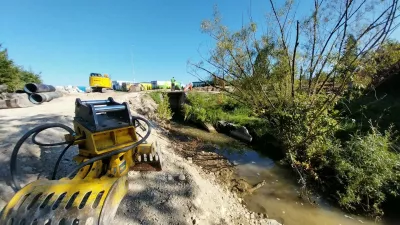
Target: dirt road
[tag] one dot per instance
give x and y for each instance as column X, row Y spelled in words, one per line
column 180, row 194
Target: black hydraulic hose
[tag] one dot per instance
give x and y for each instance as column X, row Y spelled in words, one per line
column 35, row 131
column 53, row 177
column 50, row 144
column 107, row 155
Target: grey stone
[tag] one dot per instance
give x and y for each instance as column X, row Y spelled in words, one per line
column 182, row 177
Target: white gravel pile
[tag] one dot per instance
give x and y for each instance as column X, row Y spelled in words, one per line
column 68, row 89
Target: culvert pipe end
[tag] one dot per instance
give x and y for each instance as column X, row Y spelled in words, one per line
column 36, row 99
column 30, row 88
column 37, row 88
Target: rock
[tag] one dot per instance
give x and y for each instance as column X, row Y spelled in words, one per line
column 239, row 132
column 209, row 127
column 189, row 159
column 182, row 177
column 169, row 177
column 349, row 217
column 235, row 163
column 194, row 221
column 3, row 88
column 252, row 216
column 27, row 169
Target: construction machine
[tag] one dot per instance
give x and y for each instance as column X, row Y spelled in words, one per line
column 99, row 82
column 109, row 146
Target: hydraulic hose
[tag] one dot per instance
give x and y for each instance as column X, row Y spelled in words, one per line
column 35, row 131
column 107, row 155
column 53, row 177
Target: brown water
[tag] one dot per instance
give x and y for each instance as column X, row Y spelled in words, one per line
column 279, row 197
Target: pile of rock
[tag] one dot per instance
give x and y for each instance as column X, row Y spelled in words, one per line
column 69, row 89
column 14, row 100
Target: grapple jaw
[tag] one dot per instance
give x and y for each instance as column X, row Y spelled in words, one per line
column 147, row 157
column 47, row 202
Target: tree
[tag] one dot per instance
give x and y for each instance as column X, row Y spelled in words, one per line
column 266, row 70
column 14, row 76
column 334, row 36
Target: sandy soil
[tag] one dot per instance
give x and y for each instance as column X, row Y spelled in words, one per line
column 183, row 193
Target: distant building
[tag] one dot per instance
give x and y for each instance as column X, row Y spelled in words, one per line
column 120, row 85
column 158, row 84
column 199, row 84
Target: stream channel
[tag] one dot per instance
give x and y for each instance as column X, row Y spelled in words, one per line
column 279, row 198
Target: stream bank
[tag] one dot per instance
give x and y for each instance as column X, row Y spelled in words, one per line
column 234, row 163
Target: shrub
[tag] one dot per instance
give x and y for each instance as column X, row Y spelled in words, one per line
column 156, row 96
column 163, row 109
column 368, row 170
column 14, row 76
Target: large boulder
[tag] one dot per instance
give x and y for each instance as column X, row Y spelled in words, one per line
column 236, row 131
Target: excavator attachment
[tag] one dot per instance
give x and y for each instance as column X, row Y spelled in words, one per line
column 106, row 136
column 66, row 202
column 147, row 158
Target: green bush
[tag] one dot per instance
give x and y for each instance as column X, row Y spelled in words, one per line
column 163, row 109
column 14, row 76
column 368, row 170
column 156, row 96
column 211, row 108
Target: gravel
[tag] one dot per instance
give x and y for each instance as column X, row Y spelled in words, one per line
column 153, row 197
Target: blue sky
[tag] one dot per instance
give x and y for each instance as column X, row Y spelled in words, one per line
column 67, row 40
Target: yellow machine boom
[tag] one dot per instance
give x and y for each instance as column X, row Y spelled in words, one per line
column 105, row 134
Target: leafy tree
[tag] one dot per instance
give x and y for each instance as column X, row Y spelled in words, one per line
column 13, row 76
column 266, row 70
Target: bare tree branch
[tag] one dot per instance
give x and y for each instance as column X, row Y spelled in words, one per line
column 294, row 57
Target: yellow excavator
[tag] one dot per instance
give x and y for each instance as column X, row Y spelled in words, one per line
column 109, row 146
column 99, row 82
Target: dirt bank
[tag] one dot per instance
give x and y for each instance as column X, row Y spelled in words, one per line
column 180, row 194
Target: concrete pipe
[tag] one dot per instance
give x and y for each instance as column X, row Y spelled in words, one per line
column 39, row 98
column 38, row 88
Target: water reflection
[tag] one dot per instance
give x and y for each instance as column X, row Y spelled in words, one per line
column 279, row 198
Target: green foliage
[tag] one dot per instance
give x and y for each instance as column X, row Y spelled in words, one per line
column 15, row 77
column 156, row 96
column 367, row 168
column 305, row 130
column 211, row 108
column 293, row 85
column 163, row 109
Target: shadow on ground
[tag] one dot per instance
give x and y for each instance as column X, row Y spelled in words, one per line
column 33, row 161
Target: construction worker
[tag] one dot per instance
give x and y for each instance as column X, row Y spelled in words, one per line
column 173, row 84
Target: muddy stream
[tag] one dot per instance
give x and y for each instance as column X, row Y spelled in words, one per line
column 279, row 197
